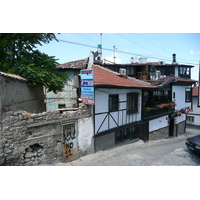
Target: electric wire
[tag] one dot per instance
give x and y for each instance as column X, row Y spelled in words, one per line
column 134, row 43
column 123, row 52
column 151, row 42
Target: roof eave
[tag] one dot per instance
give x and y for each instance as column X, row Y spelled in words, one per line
column 120, row 87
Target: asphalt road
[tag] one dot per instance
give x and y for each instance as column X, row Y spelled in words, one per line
column 165, row 152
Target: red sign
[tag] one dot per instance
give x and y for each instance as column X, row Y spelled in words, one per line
column 88, row 100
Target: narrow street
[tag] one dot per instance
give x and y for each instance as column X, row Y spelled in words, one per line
column 165, row 152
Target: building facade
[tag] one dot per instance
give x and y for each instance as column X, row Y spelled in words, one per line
column 67, row 99
column 193, row 118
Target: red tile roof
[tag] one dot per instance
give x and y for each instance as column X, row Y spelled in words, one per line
column 77, row 64
column 185, row 80
column 195, row 91
column 103, row 76
column 169, row 79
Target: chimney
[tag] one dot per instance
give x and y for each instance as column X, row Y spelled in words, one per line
column 174, row 58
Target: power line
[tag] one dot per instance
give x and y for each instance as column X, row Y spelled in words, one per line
column 151, row 42
column 86, row 37
column 121, row 35
column 129, row 53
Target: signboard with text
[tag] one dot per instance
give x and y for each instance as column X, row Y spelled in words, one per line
column 87, row 86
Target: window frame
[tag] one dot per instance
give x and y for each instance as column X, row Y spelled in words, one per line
column 132, row 102
column 188, row 95
column 113, row 102
column 184, row 71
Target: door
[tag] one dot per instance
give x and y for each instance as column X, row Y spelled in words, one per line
column 144, row 131
column 69, row 142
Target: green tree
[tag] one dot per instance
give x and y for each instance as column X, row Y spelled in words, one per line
column 19, row 55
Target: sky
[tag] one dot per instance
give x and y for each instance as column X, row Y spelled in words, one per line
column 153, row 46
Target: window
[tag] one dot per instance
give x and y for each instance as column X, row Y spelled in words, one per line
column 190, row 119
column 153, row 98
column 132, row 102
column 147, row 99
column 130, row 71
column 184, row 71
column 113, row 102
column 188, row 95
column 60, row 106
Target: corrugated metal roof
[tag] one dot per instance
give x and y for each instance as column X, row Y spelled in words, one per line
column 13, row 76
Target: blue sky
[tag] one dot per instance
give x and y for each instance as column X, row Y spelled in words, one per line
column 153, row 46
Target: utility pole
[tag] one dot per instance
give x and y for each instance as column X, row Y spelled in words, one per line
column 101, row 44
column 114, row 48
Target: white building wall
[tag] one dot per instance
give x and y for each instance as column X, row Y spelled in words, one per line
column 85, row 135
column 158, row 123
column 180, row 96
column 121, row 117
column 176, row 71
column 195, row 112
column 180, row 119
column 195, row 109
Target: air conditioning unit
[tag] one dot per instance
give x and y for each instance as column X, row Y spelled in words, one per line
column 122, row 71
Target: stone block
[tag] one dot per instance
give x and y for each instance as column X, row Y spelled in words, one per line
column 2, row 159
column 29, row 155
column 30, row 121
column 20, row 123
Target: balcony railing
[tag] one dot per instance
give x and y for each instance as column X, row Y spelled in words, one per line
column 159, row 109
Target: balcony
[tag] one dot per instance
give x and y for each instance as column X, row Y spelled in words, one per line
column 160, row 109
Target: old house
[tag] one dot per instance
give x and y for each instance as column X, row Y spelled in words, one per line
column 172, row 99
column 193, row 117
column 68, row 97
column 117, row 108
column 152, row 71
column 163, row 108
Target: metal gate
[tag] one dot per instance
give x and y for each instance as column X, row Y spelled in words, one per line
column 69, row 142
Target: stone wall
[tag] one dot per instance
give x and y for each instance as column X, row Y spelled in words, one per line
column 105, row 141
column 18, row 95
column 33, row 139
column 162, row 133
column 181, row 128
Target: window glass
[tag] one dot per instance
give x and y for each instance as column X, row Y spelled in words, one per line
column 132, row 102
column 113, row 102
column 188, row 95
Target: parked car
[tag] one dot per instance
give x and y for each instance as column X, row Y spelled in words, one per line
column 193, row 143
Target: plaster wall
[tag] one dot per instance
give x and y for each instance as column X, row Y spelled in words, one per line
column 180, row 97
column 17, row 95
column 195, row 109
column 158, row 123
column 103, row 121
column 85, row 136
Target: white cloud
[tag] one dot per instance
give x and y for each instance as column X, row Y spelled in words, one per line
column 111, row 59
column 191, row 52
